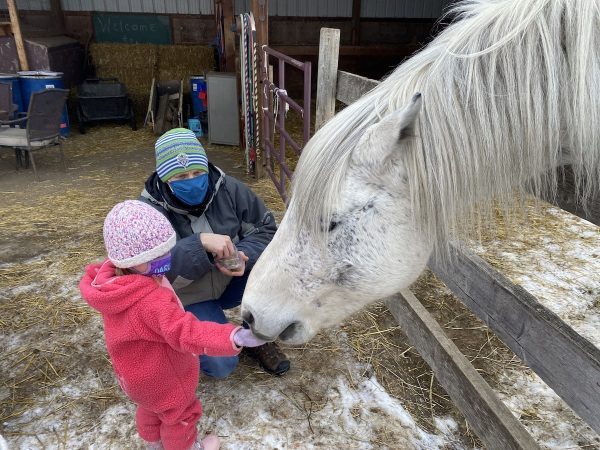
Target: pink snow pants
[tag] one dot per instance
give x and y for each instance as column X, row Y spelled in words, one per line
column 175, row 427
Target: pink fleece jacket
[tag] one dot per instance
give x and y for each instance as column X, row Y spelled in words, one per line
column 152, row 342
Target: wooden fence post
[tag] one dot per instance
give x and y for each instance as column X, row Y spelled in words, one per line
column 329, row 49
column 228, row 35
column 260, row 11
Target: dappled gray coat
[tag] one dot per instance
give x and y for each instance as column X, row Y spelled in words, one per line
column 231, row 209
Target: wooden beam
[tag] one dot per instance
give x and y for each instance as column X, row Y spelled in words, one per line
column 16, row 29
column 57, row 12
column 329, row 46
column 260, row 11
column 351, row 87
column 355, row 37
column 566, row 361
column 491, row 420
column 228, row 35
column 350, row 50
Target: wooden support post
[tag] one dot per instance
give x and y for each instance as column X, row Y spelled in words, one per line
column 329, row 47
column 260, row 11
column 58, row 17
column 355, row 38
column 16, row 29
column 228, row 35
column 491, row 420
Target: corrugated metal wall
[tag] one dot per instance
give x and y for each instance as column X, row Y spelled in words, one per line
column 141, row 6
column 36, row 5
column 412, row 9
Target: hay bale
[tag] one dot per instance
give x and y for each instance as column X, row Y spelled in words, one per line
column 136, row 64
column 133, row 64
column 179, row 62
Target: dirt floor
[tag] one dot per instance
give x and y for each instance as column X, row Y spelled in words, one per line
column 54, row 366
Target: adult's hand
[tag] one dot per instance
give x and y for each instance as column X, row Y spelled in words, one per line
column 237, row 273
column 219, row 245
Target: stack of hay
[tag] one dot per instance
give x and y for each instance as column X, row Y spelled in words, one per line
column 179, row 62
column 136, row 65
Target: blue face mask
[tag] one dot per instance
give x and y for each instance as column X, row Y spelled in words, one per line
column 190, row 191
column 157, row 267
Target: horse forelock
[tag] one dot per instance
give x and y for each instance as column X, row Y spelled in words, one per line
column 505, row 89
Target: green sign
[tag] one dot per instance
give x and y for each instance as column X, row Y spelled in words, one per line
column 132, row 28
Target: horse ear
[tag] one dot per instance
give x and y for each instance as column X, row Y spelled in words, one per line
column 381, row 141
column 408, row 117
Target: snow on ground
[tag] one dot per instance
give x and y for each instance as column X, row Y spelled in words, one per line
column 526, row 394
column 558, row 262
column 354, row 411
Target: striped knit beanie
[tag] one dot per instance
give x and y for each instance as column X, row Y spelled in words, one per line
column 136, row 233
column 178, row 151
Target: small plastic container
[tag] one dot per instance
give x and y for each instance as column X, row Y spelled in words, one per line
column 195, row 126
column 233, row 262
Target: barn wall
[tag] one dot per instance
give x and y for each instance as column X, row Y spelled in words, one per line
column 400, row 25
column 391, row 9
column 410, row 9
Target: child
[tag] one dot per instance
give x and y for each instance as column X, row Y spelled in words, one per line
column 153, row 344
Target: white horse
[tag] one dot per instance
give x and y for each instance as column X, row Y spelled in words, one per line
column 488, row 109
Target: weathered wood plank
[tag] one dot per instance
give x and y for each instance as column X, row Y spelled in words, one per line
column 566, row 361
column 351, row 87
column 260, row 11
column 329, row 47
column 16, row 28
column 487, row 415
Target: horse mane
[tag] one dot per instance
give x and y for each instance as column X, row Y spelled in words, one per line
column 509, row 89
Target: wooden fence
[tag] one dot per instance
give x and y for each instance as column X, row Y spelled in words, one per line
column 566, row 361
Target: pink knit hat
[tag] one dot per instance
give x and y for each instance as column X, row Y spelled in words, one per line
column 135, row 233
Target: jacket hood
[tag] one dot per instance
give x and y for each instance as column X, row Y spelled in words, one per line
column 158, row 192
column 111, row 294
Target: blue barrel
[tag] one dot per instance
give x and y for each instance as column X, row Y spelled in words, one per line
column 35, row 81
column 199, row 97
column 13, row 78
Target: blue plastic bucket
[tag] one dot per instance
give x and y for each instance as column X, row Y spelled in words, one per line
column 35, row 81
column 13, row 78
column 199, row 97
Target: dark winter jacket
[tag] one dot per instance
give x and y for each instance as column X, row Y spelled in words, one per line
column 231, row 209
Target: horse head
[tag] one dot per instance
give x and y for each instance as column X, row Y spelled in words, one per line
column 328, row 262
column 510, row 86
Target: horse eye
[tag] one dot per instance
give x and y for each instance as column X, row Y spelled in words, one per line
column 332, row 225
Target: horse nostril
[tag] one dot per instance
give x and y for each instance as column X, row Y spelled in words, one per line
column 289, row 331
column 248, row 317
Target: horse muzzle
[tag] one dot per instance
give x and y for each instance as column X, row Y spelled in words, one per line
column 292, row 332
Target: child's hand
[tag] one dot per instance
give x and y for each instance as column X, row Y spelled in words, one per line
column 244, row 338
